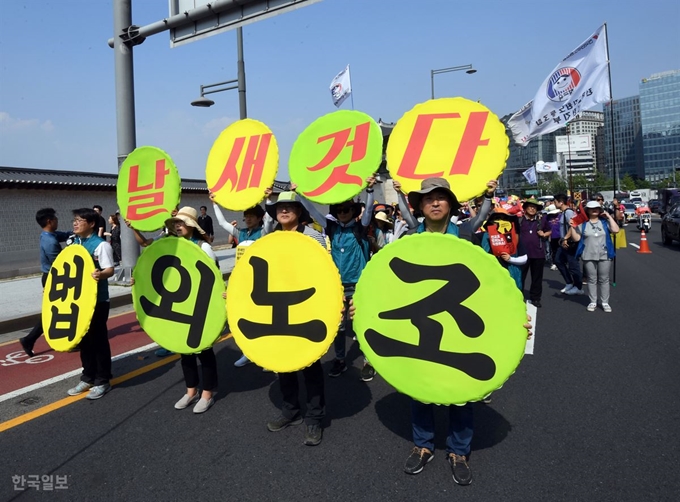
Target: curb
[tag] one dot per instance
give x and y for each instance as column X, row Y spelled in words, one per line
column 28, row 321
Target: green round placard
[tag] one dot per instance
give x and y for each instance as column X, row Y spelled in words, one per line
column 148, row 188
column 177, row 296
column 334, row 155
column 451, row 329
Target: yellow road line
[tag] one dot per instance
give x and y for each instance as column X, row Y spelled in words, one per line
column 31, row 415
column 110, row 317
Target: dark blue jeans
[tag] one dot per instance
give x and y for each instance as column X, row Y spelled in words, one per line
column 345, row 325
column 568, row 265
column 459, row 431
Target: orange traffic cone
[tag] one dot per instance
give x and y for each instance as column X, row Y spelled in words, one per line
column 644, row 247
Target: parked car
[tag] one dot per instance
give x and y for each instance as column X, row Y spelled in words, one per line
column 654, row 205
column 629, row 212
column 670, row 225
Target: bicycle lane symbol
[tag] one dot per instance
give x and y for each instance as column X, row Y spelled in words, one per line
column 14, row 358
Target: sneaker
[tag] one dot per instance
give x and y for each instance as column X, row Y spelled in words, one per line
column 606, row 307
column 98, row 391
column 243, row 360
column 460, row 469
column 417, row 460
column 163, row 352
column 566, row 288
column 591, row 307
column 282, row 422
column 187, row 401
column 204, row 405
column 536, row 303
column 313, row 435
column 80, row 388
column 553, row 267
column 574, row 291
column 338, row 368
column 367, row 372
column 487, row 399
column 27, row 348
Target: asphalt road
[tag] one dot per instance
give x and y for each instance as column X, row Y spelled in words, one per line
column 593, row 415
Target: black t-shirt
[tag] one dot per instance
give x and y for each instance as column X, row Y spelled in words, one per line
column 101, row 223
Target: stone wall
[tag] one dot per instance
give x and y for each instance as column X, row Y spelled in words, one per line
column 19, row 232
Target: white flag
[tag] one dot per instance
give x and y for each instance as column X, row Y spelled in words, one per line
column 547, row 167
column 341, row 87
column 578, row 83
column 530, row 175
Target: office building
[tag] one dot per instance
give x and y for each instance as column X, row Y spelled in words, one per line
column 624, row 115
column 660, row 118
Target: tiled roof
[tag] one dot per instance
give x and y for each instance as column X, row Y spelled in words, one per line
column 19, row 177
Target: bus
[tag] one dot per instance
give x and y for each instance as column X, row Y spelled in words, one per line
column 667, row 197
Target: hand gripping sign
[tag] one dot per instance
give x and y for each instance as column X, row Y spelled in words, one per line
column 334, row 155
column 242, row 163
column 450, row 331
column 178, row 296
column 148, row 188
column 284, row 301
column 69, row 298
column 452, row 138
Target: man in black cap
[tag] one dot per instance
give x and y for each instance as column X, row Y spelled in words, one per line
column 534, row 230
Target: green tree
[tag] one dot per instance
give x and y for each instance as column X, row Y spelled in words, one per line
column 642, row 183
column 627, row 183
column 602, row 182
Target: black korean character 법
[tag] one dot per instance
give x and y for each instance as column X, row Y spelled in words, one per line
column 61, row 283
column 195, row 320
column 461, row 283
column 280, row 301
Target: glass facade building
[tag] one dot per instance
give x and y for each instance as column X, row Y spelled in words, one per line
column 624, row 115
column 660, row 118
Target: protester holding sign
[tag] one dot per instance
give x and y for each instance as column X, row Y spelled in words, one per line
column 244, row 236
column 185, row 225
column 502, row 239
column 350, row 251
column 95, row 351
column 288, row 212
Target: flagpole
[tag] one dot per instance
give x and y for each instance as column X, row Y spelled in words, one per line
column 611, row 111
column 351, row 94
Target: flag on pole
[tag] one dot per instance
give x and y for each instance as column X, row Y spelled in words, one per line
column 547, row 167
column 341, row 87
column 530, row 175
column 578, row 83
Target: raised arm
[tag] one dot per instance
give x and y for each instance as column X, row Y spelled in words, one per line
column 370, row 198
column 141, row 240
column 221, row 221
column 483, row 213
column 410, row 220
column 307, row 204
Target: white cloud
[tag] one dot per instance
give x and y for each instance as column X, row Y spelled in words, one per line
column 9, row 123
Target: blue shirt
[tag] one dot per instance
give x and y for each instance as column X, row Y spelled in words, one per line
column 50, row 248
column 451, row 229
column 249, row 235
column 347, row 253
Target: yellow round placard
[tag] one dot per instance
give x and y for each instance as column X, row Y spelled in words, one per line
column 452, row 138
column 242, row 163
column 69, row 298
column 284, row 301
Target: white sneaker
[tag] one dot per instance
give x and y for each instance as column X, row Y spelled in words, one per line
column 553, row 267
column 574, row 291
column 591, row 307
column 567, row 288
column 606, row 307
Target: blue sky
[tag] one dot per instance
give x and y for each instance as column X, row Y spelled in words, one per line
column 57, row 101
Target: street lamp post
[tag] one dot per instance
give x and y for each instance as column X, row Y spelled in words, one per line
column 468, row 69
column 238, row 83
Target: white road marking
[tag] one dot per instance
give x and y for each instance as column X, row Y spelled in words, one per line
column 635, row 245
column 59, row 378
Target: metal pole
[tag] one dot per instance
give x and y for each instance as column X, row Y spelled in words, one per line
column 125, row 121
column 241, row 74
column 432, row 82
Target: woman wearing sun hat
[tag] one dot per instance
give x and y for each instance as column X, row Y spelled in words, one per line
column 185, row 225
column 596, row 249
column 553, row 219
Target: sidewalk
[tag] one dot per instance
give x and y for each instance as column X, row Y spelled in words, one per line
column 22, row 298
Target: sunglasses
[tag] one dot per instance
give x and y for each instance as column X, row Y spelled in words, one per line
column 342, row 210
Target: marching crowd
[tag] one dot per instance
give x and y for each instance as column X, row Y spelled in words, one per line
column 523, row 235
